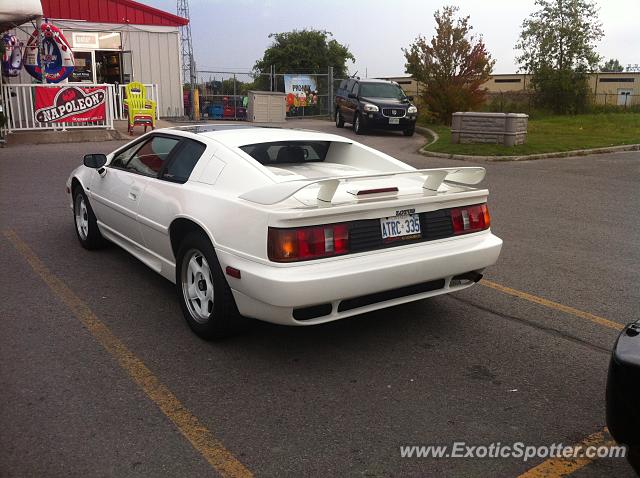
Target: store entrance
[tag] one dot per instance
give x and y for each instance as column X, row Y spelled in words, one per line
column 108, row 66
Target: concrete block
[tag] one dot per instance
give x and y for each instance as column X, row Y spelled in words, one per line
column 495, row 128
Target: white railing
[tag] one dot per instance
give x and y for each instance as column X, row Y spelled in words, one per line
column 152, row 94
column 18, row 101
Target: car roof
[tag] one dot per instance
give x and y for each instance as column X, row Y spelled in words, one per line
column 235, row 135
column 376, row 80
column 369, row 80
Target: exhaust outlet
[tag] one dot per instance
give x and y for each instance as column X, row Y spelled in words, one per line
column 472, row 276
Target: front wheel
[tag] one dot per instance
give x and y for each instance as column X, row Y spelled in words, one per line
column 357, row 124
column 205, row 297
column 409, row 131
column 85, row 221
column 339, row 119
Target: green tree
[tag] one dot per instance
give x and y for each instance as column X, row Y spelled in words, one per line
column 303, row 51
column 558, row 47
column 612, row 66
column 451, row 67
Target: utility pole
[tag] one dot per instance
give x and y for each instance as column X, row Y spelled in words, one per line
column 186, row 53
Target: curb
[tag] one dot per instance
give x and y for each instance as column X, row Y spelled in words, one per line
column 69, row 136
column 427, row 132
column 528, row 157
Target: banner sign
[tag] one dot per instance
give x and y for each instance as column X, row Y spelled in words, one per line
column 301, row 90
column 70, row 104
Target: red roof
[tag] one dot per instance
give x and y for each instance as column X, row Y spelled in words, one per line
column 110, row 11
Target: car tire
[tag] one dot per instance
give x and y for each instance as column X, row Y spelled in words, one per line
column 357, row 124
column 85, row 221
column 633, row 457
column 203, row 292
column 409, row 131
column 339, row 119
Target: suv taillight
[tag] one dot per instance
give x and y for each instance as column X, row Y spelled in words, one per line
column 470, row 219
column 305, row 243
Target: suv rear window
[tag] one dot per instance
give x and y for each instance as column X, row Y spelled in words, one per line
column 282, row 152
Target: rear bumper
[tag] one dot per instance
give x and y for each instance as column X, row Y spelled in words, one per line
column 272, row 292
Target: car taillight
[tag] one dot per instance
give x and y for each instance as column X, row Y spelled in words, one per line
column 304, row 243
column 470, row 219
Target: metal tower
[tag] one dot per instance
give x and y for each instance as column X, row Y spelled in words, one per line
column 186, row 49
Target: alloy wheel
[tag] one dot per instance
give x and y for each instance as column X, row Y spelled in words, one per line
column 82, row 217
column 197, row 285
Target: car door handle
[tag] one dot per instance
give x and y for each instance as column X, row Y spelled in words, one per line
column 133, row 193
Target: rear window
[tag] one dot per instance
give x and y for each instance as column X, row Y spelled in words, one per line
column 287, row 152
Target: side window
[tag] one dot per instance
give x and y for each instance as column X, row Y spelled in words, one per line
column 123, row 157
column 184, row 161
column 150, row 158
column 355, row 88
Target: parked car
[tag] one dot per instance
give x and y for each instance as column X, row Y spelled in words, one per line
column 289, row 226
column 623, row 392
column 374, row 104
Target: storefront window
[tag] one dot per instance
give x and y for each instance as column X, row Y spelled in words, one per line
column 97, row 55
column 96, row 40
column 83, row 70
column 109, row 41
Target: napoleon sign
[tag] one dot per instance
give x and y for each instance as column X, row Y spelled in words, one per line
column 70, row 104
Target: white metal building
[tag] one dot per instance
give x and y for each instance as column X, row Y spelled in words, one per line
column 119, row 41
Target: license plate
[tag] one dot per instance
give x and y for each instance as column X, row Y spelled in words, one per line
column 406, row 226
column 394, row 120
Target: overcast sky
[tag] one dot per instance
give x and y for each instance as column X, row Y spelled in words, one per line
column 234, row 34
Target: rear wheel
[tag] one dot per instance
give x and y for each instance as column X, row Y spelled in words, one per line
column 205, row 297
column 339, row 119
column 357, row 124
column 634, row 458
column 85, row 221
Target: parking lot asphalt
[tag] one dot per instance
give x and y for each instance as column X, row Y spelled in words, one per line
column 100, row 376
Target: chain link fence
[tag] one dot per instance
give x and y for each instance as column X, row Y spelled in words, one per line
column 223, row 95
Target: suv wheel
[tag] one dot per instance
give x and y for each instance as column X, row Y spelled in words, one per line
column 409, row 131
column 633, row 456
column 339, row 119
column 357, row 124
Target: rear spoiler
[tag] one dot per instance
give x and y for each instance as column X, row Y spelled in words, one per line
column 433, row 178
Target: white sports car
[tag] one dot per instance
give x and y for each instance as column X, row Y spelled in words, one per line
column 289, row 226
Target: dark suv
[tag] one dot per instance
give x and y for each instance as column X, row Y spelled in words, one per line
column 375, row 104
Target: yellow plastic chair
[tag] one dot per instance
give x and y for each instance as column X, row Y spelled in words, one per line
column 140, row 110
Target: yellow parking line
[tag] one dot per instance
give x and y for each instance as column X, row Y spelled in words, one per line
column 559, row 467
column 194, row 431
column 553, row 305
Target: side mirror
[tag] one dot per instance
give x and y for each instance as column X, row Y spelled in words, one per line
column 351, row 95
column 94, row 161
column 410, row 98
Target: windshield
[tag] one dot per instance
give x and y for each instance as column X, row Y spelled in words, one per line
column 382, row 90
